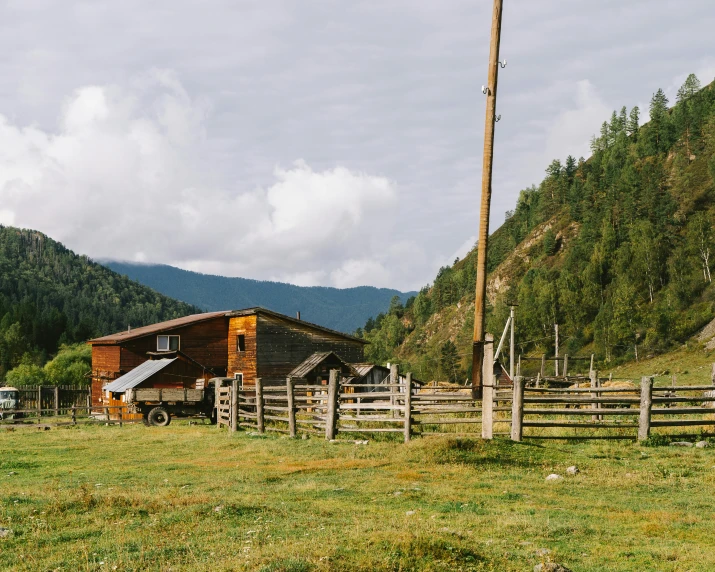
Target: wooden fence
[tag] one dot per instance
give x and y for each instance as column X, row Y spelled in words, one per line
column 47, row 418
column 57, row 399
column 622, row 412
column 522, row 411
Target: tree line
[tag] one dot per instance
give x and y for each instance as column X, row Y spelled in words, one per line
column 50, row 297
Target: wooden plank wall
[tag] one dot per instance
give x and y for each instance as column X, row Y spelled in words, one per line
column 205, row 342
column 283, row 344
column 243, row 362
column 105, row 367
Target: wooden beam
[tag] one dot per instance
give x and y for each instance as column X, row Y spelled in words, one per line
column 483, row 237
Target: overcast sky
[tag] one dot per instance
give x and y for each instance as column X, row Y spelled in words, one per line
column 320, row 142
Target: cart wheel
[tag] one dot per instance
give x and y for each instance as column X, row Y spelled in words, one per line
column 159, row 417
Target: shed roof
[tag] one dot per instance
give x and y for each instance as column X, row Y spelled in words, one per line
column 315, row 360
column 154, row 328
column 137, row 375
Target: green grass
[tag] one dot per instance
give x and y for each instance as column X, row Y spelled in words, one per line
column 691, row 365
column 194, row 498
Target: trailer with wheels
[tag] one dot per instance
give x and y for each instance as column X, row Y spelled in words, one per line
column 158, row 406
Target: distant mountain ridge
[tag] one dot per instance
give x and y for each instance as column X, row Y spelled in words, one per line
column 340, row 309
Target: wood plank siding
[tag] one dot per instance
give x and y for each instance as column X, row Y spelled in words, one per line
column 284, row 343
column 242, row 361
column 105, row 368
column 204, row 342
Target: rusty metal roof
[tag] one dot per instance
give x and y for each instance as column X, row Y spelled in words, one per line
column 154, row 328
column 137, row 375
column 315, row 360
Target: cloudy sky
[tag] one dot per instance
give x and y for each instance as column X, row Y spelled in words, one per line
column 321, row 142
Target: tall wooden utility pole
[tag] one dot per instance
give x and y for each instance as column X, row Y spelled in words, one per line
column 481, row 293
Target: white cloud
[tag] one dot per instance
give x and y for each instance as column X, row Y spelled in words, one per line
column 123, row 178
column 359, row 272
column 7, row 217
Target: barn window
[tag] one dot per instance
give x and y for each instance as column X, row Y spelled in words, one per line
column 167, row 343
column 240, row 343
column 239, row 378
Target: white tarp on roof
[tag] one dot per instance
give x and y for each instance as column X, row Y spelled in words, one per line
column 137, row 375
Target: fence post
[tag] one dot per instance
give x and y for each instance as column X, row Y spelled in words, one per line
column 488, row 385
column 394, row 380
column 39, row 402
column 517, row 409
column 259, row 406
column 646, row 405
column 217, row 401
column 290, row 387
column 234, row 406
column 119, row 413
column 712, row 375
column 595, row 384
column 74, row 415
column 408, row 407
column 57, row 400
column 566, row 364
column 331, row 420
column 543, row 365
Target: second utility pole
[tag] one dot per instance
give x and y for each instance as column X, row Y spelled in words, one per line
column 483, row 238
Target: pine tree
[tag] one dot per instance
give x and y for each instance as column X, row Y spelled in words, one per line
column 632, row 125
column 623, row 119
column 690, row 87
column 660, row 124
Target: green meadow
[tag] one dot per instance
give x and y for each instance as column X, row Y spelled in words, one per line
column 191, row 497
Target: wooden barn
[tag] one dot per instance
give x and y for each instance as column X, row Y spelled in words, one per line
column 244, row 344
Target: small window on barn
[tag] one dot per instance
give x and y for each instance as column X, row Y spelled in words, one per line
column 240, row 343
column 167, row 343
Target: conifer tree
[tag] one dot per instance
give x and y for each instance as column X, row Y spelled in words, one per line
column 632, row 125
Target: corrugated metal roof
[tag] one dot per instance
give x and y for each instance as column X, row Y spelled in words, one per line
column 363, row 368
column 153, row 328
column 137, row 375
column 315, row 360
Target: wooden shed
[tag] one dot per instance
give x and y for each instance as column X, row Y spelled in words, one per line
column 168, row 370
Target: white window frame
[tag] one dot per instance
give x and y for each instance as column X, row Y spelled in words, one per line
column 168, row 343
column 239, row 376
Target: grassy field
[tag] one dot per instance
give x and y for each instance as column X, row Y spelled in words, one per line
column 193, row 498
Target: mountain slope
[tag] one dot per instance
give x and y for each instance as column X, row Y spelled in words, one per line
column 340, row 309
column 617, row 249
column 50, row 296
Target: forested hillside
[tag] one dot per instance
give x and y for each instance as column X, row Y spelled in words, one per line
column 342, row 309
column 51, row 296
column 616, row 249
